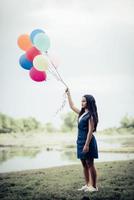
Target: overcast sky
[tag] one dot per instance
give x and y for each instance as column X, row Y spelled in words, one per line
column 94, row 41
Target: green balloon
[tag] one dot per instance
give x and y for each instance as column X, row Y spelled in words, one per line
column 40, row 62
column 42, row 42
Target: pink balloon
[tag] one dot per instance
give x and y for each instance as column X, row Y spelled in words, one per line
column 36, row 75
column 31, row 53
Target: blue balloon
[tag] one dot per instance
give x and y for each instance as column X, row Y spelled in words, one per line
column 25, row 63
column 34, row 33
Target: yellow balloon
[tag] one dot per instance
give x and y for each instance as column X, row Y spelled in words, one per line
column 41, row 63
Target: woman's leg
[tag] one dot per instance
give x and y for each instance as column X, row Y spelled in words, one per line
column 85, row 171
column 92, row 171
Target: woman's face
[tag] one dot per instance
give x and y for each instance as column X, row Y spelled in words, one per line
column 83, row 102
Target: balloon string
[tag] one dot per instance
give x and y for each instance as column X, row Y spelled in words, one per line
column 57, row 71
column 58, row 77
column 64, row 95
column 63, row 104
column 53, row 73
column 51, row 70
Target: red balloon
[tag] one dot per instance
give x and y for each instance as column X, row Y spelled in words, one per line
column 36, row 75
column 31, row 53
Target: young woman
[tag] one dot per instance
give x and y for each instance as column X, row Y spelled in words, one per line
column 87, row 148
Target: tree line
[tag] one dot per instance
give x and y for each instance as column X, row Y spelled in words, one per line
column 12, row 125
column 69, row 123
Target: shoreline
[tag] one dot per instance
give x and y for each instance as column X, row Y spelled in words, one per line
column 64, row 165
column 50, row 148
column 114, row 180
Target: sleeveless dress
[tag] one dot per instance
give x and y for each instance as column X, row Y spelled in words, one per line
column 81, row 139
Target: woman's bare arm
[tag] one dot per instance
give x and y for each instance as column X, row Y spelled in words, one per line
column 90, row 131
column 71, row 104
column 89, row 135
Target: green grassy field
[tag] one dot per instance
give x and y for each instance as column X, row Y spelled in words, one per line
column 115, row 182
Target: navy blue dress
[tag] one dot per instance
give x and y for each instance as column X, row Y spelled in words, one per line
column 81, row 139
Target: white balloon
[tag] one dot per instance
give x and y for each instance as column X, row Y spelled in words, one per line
column 41, row 63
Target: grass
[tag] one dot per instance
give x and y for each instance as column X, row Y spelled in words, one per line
column 115, row 182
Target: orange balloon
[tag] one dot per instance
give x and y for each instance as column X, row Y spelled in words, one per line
column 24, row 42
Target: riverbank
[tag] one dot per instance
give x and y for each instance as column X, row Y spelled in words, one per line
column 115, row 182
column 58, row 141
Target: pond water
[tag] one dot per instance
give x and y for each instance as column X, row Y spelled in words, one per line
column 17, row 159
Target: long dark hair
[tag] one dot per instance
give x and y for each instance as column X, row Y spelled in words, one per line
column 91, row 106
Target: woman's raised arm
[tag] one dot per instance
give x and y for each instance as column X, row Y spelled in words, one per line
column 71, row 104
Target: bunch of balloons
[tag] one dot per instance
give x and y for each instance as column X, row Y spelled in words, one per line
column 35, row 58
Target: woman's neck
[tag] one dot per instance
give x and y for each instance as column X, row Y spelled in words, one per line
column 86, row 110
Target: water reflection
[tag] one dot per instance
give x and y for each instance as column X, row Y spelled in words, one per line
column 8, row 153
column 16, row 159
column 69, row 155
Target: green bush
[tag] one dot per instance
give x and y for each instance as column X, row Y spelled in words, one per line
column 8, row 124
column 69, row 122
column 127, row 122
